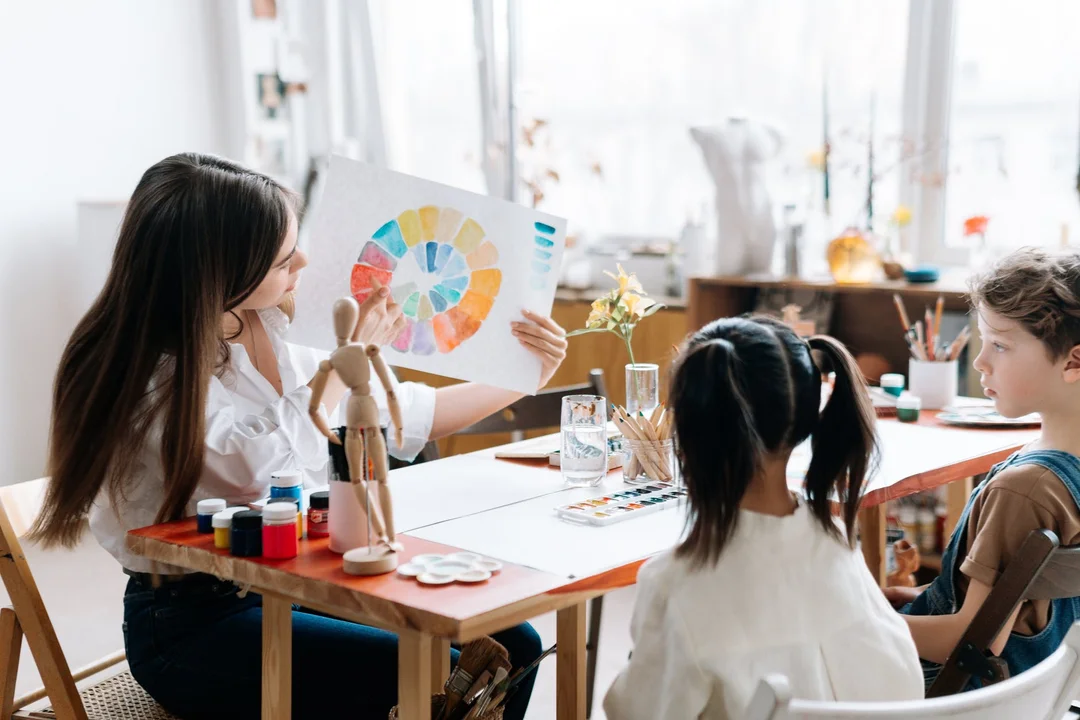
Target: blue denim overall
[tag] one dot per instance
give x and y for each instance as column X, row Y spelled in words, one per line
column 1021, row 651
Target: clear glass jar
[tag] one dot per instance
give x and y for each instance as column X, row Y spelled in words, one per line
column 650, row 461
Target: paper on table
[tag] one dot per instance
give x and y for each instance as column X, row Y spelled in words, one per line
column 529, row 533
column 910, row 450
column 461, row 265
column 464, row 485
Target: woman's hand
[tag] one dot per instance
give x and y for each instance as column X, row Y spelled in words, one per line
column 543, row 338
column 380, row 320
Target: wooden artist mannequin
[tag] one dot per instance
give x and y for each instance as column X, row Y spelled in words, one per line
column 352, row 361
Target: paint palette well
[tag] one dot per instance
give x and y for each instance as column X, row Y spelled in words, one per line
column 624, row 504
column 463, row 567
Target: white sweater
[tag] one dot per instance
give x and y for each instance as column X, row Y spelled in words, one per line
column 784, row 598
column 251, row 432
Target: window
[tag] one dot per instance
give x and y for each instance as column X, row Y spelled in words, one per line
column 429, row 89
column 1014, row 121
column 620, row 83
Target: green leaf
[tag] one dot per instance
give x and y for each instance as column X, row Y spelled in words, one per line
column 585, row 331
column 651, row 309
column 610, row 324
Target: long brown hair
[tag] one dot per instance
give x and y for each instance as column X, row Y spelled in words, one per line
column 747, row 388
column 199, row 235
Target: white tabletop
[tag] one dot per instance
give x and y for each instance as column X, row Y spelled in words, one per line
column 505, row 509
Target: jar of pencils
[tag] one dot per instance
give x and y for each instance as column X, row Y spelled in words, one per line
column 649, row 445
column 934, row 382
column 650, row 461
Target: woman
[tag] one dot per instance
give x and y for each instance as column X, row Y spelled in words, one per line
column 178, row 386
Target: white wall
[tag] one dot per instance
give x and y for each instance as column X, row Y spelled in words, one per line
column 93, row 94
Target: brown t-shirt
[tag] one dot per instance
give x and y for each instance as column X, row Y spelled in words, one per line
column 1018, row 500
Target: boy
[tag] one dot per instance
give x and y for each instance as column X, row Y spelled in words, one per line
column 1028, row 310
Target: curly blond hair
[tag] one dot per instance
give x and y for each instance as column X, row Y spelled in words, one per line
column 1038, row 289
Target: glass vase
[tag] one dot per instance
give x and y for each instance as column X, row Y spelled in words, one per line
column 642, row 388
column 852, row 258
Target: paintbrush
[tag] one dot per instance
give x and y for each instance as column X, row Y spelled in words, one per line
column 480, row 706
column 937, row 315
column 920, row 341
column 510, row 685
column 901, row 311
column 469, row 698
column 930, row 337
column 476, row 657
column 959, row 343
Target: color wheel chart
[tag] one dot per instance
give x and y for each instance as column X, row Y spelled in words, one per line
column 441, row 270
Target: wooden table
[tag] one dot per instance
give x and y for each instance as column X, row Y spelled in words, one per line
column 925, row 456
column 502, row 509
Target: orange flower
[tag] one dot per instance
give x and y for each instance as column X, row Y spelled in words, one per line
column 975, row 225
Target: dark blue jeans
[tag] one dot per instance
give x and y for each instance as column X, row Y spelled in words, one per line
column 196, row 647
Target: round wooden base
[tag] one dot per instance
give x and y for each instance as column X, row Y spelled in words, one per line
column 369, row 561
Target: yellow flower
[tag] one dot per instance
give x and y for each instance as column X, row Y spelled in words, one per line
column 901, row 216
column 635, row 304
column 599, row 314
column 816, row 160
column 626, row 282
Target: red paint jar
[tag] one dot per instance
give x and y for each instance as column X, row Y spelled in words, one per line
column 279, row 531
column 318, row 522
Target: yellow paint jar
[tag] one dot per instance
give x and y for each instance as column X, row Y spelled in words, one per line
column 299, row 515
column 222, row 525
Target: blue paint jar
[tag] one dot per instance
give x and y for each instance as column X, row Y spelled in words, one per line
column 286, row 486
column 205, row 511
column 245, row 536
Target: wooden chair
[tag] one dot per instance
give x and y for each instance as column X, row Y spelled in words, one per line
column 1042, row 693
column 114, row 697
column 1040, row 571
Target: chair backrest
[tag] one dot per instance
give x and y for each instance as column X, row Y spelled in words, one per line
column 19, row 505
column 1060, row 577
column 1042, row 693
column 537, row 411
column 1039, row 570
column 22, row 503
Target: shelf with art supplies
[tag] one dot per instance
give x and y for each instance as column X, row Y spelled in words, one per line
column 915, row 538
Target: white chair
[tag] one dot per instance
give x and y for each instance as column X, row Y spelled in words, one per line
column 1042, row 693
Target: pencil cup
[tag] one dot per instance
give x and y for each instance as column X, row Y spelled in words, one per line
column 935, row 383
column 650, row 461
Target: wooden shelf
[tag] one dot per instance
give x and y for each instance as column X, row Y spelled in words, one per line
column 952, row 283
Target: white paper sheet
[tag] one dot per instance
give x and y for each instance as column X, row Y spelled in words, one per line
column 462, row 265
column 464, row 485
column 909, row 450
column 530, row 533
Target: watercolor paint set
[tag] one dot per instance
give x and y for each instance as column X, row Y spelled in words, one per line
column 630, row 502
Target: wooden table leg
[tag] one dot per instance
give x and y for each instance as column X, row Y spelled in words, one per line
column 570, row 670
column 956, row 497
column 414, row 675
column 440, row 663
column 277, row 658
column 872, row 536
